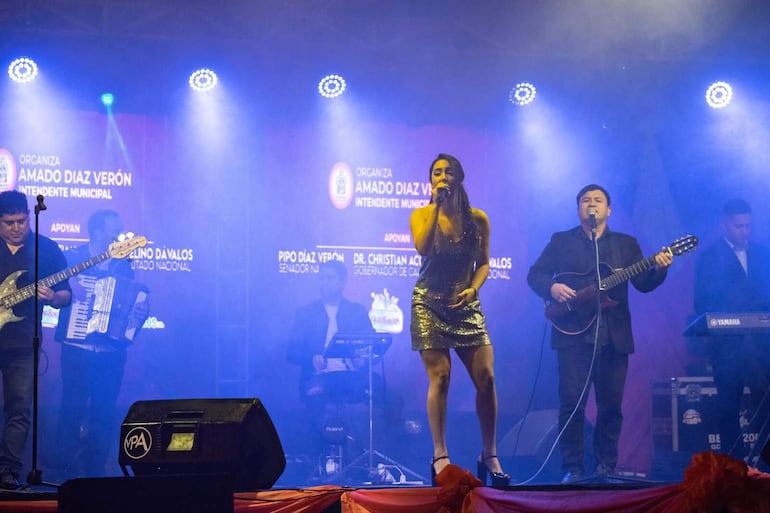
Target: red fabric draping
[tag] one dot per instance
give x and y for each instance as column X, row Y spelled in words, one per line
column 44, row 506
column 308, row 500
column 647, row 500
column 713, row 484
column 717, row 482
column 454, row 484
column 413, row 500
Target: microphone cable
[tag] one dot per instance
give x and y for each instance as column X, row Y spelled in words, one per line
column 589, row 374
column 532, row 394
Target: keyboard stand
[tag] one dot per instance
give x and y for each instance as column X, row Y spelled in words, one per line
column 370, row 346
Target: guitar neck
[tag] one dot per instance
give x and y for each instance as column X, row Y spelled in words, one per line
column 27, row 292
column 627, row 273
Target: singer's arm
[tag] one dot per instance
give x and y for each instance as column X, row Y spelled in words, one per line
column 481, row 266
column 482, row 259
column 424, row 224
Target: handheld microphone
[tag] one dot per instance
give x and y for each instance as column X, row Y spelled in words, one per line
column 40, row 204
column 441, row 195
column 592, row 217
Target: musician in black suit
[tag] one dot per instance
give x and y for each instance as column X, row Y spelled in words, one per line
column 315, row 324
column 733, row 275
column 327, row 384
column 91, row 367
column 573, row 251
column 17, row 253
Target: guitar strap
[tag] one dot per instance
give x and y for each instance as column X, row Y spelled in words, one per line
column 614, row 257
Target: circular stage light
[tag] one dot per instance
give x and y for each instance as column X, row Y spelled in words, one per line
column 203, row 80
column 22, row 70
column 719, row 95
column 522, row 93
column 331, row 86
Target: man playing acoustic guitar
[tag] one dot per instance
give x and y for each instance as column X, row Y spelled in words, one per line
column 565, row 276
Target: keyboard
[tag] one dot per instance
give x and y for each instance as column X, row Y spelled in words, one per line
column 723, row 323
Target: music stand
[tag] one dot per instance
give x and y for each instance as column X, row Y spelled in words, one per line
column 369, row 345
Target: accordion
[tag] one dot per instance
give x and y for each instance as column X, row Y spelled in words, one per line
column 107, row 312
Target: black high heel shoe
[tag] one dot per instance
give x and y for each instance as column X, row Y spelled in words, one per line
column 499, row 479
column 433, row 468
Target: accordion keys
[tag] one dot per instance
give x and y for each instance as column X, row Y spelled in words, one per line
column 114, row 299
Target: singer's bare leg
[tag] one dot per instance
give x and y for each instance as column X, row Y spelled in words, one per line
column 438, row 366
column 480, row 364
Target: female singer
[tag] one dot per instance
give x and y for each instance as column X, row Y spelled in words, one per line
column 453, row 239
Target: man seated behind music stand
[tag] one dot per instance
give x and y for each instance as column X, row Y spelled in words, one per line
column 323, row 379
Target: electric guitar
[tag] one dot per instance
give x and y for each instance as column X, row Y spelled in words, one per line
column 11, row 296
column 578, row 314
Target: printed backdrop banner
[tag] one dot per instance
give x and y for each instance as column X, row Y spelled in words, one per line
column 238, row 226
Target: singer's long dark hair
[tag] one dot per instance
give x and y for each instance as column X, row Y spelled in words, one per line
column 458, row 195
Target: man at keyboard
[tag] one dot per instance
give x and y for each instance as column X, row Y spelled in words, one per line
column 733, row 275
column 92, row 364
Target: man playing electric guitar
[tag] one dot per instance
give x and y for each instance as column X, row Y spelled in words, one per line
column 17, row 253
column 573, row 251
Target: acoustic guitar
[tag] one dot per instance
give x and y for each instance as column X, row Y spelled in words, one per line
column 578, row 314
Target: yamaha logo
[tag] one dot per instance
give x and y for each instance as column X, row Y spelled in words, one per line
column 137, row 443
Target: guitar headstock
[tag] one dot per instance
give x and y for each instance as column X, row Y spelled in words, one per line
column 122, row 249
column 683, row 245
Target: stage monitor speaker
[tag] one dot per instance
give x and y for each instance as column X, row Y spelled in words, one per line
column 527, row 445
column 234, row 437
column 147, row 494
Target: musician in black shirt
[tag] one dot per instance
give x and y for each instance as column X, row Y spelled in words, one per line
column 733, row 275
column 573, row 252
column 91, row 367
column 17, row 253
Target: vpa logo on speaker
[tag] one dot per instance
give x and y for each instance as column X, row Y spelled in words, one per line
column 137, row 443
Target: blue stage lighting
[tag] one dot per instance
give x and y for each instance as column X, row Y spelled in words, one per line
column 719, row 95
column 203, row 80
column 331, row 86
column 108, row 99
column 22, row 70
column 522, row 94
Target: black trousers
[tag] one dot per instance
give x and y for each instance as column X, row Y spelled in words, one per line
column 608, row 378
column 88, row 425
column 739, row 361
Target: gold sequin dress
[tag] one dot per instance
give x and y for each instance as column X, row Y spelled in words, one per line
column 443, row 274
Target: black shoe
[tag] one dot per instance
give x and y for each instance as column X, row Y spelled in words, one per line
column 8, row 481
column 433, row 468
column 572, row 476
column 603, row 470
column 499, row 479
